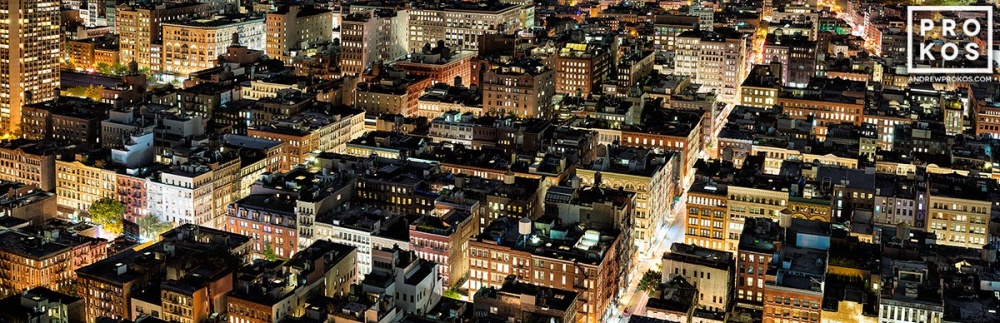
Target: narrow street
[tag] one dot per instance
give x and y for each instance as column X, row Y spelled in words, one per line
column 634, row 302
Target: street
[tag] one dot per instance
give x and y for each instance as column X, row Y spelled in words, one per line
column 634, row 302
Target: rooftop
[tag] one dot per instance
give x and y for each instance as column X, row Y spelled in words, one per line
column 572, row 242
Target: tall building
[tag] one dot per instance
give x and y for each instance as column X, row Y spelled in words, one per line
column 30, row 74
column 296, row 28
column 468, row 21
column 697, row 265
column 373, row 36
column 523, row 88
column 581, row 68
column 584, row 260
column 797, row 55
column 716, row 59
column 44, row 256
column 707, row 219
column 194, row 45
column 139, row 29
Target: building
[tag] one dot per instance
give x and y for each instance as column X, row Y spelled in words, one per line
column 715, row 59
column 761, row 87
column 395, row 92
column 373, row 36
column 31, row 73
column 697, row 265
column 707, row 215
column 760, row 240
column 793, row 287
column 665, row 31
column 65, row 118
column 586, row 262
column 959, row 209
column 414, row 281
column 267, row 218
column 764, row 197
column 45, row 256
column 797, row 56
column 649, row 175
column 41, row 305
column 121, row 124
column 84, row 179
column 445, row 241
column 470, row 21
column 114, row 287
column 312, row 131
column 89, row 54
column 293, row 29
column 522, row 88
column 192, row 45
column 540, row 302
column 362, row 229
column 581, row 68
column 139, row 28
column 912, row 292
column 270, row 291
column 444, row 97
column 441, row 64
column 32, row 162
column 825, row 101
column 674, row 301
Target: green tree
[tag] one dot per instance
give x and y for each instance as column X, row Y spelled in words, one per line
column 452, row 293
column 151, row 226
column 104, row 68
column 108, row 214
column 269, row 252
column 649, row 281
column 70, row 289
column 92, row 92
column 119, row 69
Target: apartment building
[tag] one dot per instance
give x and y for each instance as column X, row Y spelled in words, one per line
column 707, row 216
column 372, row 36
column 45, row 256
column 311, row 131
column 444, row 240
column 139, row 28
column 32, row 162
column 959, row 209
column 698, row 265
column 581, row 68
column 30, row 73
column 192, row 45
column 469, row 21
column 716, row 59
column 587, row 262
column 522, row 88
column 651, row 176
column 294, row 29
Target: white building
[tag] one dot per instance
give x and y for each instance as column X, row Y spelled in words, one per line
column 182, row 195
column 460, row 24
column 715, row 59
column 194, row 45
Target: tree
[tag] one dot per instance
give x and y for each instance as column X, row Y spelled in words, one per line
column 452, row 293
column 70, row 289
column 649, row 281
column 119, row 69
column 108, row 214
column 269, row 252
column 151, row 226
column 104, row 68
column 92, row 92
